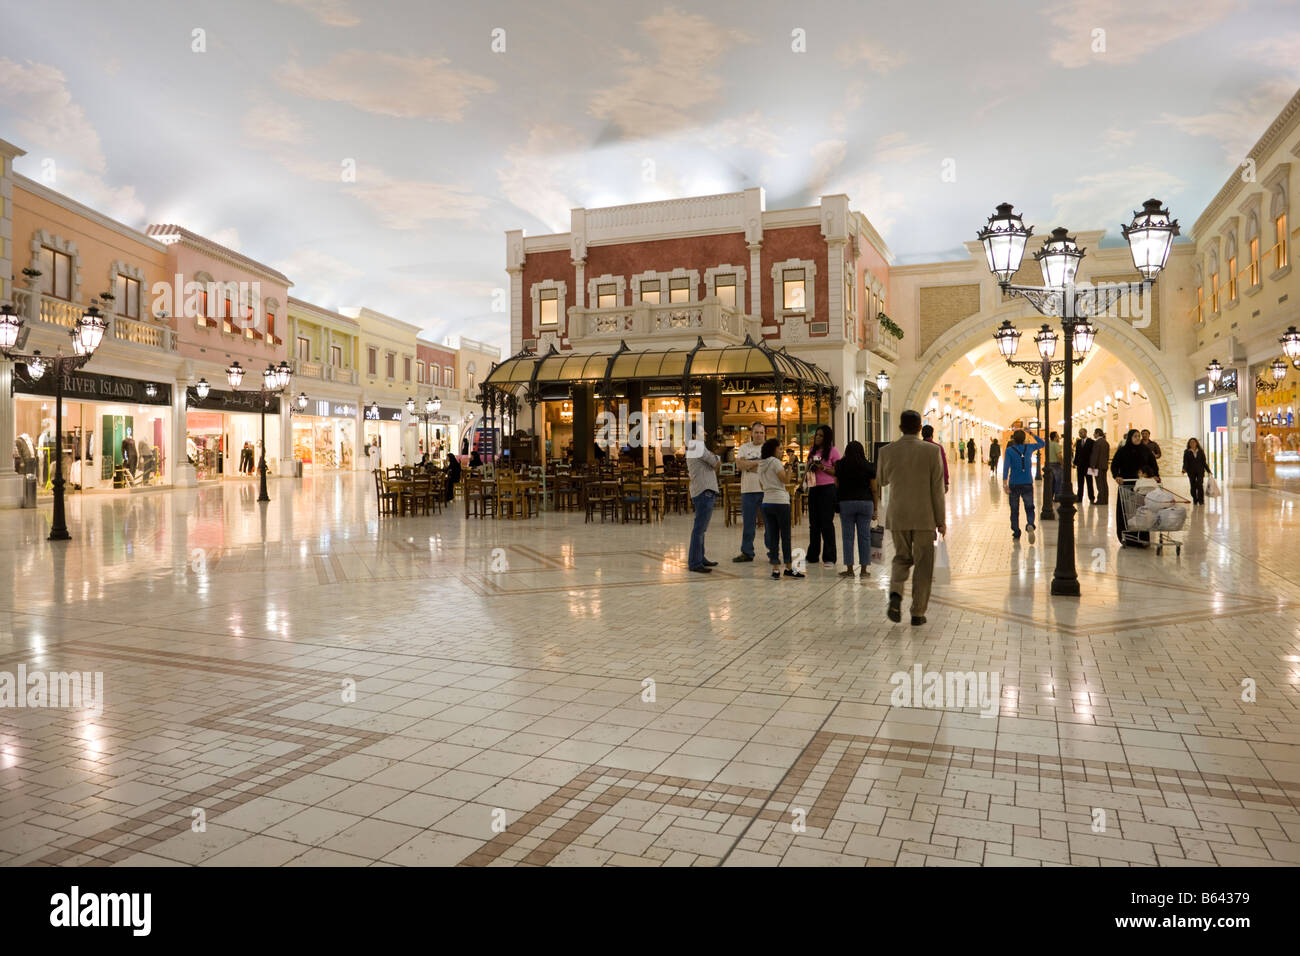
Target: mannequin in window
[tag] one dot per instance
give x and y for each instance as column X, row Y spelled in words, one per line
column 130, row 457
column 45, row 446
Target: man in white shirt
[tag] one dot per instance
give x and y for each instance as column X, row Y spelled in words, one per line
column 702, row 467
column 751, row 494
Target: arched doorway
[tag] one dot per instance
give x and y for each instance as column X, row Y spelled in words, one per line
column 1129, row 346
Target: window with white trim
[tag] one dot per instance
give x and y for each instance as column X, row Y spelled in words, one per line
column 794, row 290
column 390, row 365
column 679, row 290
column 304, row 349
column 56, row 273
column 126, row 293
column 649, row 291
column 724, row 287
column 336, row 356
column 433, row 374
column 449, row 377
column 372, row 361
column 549, row 301
column 606, row 295
column 419, row 371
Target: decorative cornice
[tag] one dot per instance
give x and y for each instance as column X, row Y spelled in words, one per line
column 169, row 233
column 319, row 312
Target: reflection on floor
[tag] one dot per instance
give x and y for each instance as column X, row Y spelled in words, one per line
column 305, row 683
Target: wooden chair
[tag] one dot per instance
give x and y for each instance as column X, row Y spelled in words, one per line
column 731, row 501
column 420, row 493
column 633, row 501
column 477, row 502
column 387, row 500
column 511, row 501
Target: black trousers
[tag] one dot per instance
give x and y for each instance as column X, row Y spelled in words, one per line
column 1083, row 476
column 1197, row 481
column 821, row 524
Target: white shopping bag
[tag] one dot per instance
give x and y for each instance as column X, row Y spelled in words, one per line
column 942, row 570
column 877, row 544
column 1211, row 487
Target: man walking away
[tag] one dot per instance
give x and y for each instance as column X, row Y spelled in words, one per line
column 1100, row 464
column 995, row 452
column 702, row 466
column 1054, row 462
column 927, row 434
column 1082, row 464
column 916, row 511
column 1018, row 480
column 751, row 492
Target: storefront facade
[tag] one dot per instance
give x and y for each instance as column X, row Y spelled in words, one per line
column 224, row 434
column 1277, row 449
column 385, row 436
column 116, row 431
column 324, row 435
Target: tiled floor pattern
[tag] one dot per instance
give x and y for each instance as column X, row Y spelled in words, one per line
column 502, row 714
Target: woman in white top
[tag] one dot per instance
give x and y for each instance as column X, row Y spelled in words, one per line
column 772, row 477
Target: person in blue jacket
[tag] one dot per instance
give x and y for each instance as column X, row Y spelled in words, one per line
column 1018, row 480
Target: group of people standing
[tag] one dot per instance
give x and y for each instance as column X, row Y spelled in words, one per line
column 1137, row 457
column 836, row 483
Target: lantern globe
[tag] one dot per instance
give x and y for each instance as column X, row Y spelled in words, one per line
column 1150, row 237
column 1004, row 239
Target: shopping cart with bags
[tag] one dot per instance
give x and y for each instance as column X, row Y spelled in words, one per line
column 1152, row 510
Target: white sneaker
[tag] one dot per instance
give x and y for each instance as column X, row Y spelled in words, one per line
column 828, row 564
column 1030, row 530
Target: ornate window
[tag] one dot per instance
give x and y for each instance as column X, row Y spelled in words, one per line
column 727, row 284
column 59, row 262
column 1276, row 187
column 548, row 299
column 606, row 292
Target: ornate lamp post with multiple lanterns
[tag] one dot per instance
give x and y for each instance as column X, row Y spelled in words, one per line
column 274, row 382
column 1150, row 236
column 86, row 336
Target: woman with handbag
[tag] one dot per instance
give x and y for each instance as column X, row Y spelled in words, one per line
column 1196, row 467
column 859, row 499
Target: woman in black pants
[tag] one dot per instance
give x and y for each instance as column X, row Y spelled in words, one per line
column 1133, row 460
column 1196, row 468
column 821, row 497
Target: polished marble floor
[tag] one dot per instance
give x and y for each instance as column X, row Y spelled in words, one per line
column 304, row 683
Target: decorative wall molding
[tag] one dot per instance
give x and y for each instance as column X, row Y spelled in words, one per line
column 810, row 287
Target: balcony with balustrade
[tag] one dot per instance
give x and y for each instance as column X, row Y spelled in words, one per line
column 48, row 312
column 664, row 326
column 876, row 339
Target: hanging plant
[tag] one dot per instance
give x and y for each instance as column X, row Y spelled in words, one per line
column 889, row 325
column 33, row 273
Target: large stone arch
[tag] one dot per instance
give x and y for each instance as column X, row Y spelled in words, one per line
column 1131, row 346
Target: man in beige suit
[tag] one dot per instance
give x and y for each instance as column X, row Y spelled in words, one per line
column 914, row 469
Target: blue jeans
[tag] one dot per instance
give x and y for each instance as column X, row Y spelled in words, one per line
column 856, row 516
column 703, row 512
column 776, row 524
column 750, row 502
column 1054, row 469
column 1027, row 493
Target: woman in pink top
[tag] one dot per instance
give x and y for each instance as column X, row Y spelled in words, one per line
column 821, row 497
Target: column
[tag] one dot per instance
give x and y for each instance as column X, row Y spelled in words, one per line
column 183, row 473
column 584, row 424
column 755, row 280
column 286, row 436
column 11, row 483
column 711, row 405
column 1245, row 429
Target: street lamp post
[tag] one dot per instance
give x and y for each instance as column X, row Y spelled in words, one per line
column 1150, row 236
column 86, row 336
column 432, row 406
column 274, row 382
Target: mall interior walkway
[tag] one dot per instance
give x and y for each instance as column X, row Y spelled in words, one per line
column 305, row 683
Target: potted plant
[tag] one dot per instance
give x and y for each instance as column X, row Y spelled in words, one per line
column 32, row 275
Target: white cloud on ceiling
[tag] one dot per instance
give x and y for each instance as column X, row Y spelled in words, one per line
column 879, row 58
column 60, row 138
column 334, row 13
column 1237, row 122
column 388, row 84
column 1131, row 29
column 537, row 175
column 1094, row 201
column 665, row 91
